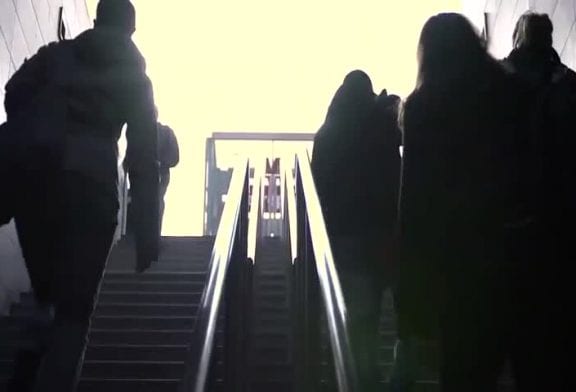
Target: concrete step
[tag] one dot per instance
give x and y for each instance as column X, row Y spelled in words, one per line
column 136, row 336
column 150, row 297
column 156, row 309
column 125, row 276
column 133, row 369
column 127, row 385
column 144, row 323
column 266, row 386
column 140, row 352
column 153, row 286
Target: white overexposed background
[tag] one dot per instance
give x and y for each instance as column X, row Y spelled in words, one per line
column 261, row 65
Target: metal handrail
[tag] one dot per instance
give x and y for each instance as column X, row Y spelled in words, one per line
column 199, row 359
column 255, row 214
column 290, row 210
column 328, row 281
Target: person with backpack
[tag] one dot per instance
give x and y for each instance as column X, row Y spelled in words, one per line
column 66, row 107
column 548, row 311
column 168, row 157
column 356, row 170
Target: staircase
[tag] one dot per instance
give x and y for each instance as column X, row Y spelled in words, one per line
column 142, row 325
column 270, row 348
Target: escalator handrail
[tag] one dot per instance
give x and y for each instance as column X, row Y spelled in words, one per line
column 199, row 358
column 290, row 210
column 255, row 214
column 330, row 287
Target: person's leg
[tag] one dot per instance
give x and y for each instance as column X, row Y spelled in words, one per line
column 88, row 229
column 35, row 224
column 363, row 289
column 539, row 350
column 405, row 365
column 471, row 342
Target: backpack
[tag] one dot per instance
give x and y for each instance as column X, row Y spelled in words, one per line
column 168, row 152
column 32, row 140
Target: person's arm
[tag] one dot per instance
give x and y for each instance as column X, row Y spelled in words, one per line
column 142, row 163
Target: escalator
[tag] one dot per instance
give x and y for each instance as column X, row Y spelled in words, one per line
column 140, row 330
column 141, row 327
column 270, row 343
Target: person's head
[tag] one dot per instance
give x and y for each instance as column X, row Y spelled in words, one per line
column 533, row 31
column 449, row 49
column 352, row 96
column 116, row 14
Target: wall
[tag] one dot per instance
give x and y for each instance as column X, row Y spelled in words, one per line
column 503, row 14
column 26, row 25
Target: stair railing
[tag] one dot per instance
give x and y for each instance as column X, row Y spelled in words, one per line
column 290, row 222
column 317, row 289
column 255, row 214
column 226, row 293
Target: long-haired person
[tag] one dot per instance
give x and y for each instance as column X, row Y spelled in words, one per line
column 465, row 199
column 356, row 164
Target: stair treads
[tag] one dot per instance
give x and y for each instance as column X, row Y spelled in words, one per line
column 270, row 354
column 153, row 286
column 126, row 276
column 149, row 297
column 140, row 352
column 130, row 309
column 133, row 369
column 118, row 385
column 144, row 322
column 137, row 336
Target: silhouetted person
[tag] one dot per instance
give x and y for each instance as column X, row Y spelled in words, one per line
column 465, row 195
column 356, row 165
column 168, row 157
column 553, row 98
column 67, row 213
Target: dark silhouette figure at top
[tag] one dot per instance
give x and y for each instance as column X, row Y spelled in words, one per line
column 168, row 157
column 67, row 106
column 553, row 98
column 356, row 163
column 466, row 203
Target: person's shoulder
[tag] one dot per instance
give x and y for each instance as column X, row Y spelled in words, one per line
column 414, row 102
column 111, row 48
column 385, row 100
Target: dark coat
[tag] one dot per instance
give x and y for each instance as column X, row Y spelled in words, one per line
column 553, row 99
column 464, row 180
column 356, row 165
column 106, row 88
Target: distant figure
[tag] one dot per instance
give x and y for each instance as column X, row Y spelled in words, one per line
column 66, row 106
column 553, row 98
column 466, row 188
column 356, row 164
column 168, row 157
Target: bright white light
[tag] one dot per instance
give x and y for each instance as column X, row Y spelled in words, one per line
column 256, row 65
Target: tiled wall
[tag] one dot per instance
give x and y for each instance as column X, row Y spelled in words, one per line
column 25, row 25
column 503, row 14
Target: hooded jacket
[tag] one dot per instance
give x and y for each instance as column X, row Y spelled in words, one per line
column 103, row 85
